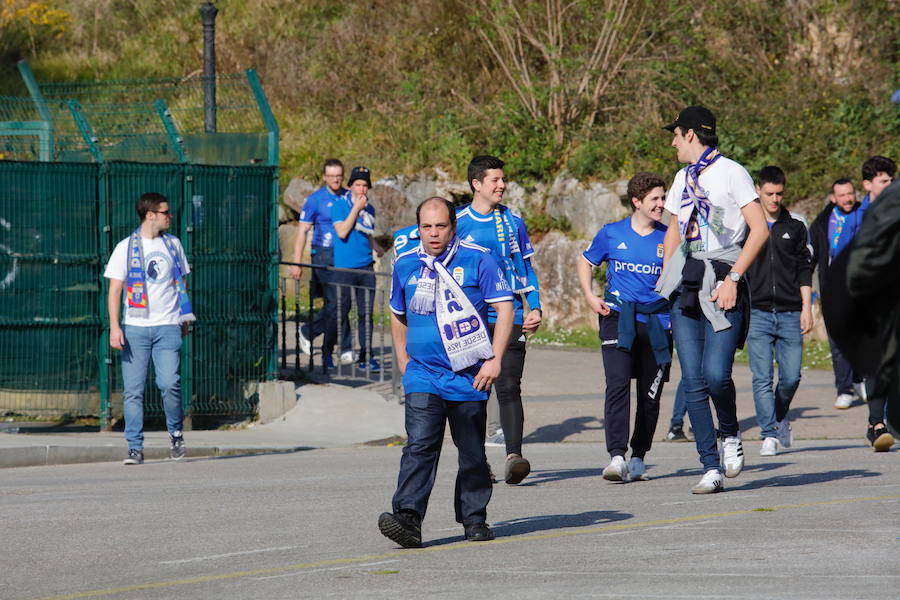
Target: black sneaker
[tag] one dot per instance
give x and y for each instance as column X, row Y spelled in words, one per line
column 676, row 434
column 403, row 527
column 176, row 446
column 879, row 437
column 135, row 457
column 479, row 532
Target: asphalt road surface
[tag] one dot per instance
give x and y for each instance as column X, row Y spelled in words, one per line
column 819, row 521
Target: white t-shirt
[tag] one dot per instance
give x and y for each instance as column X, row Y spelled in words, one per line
column 162, row 293
column 729, row 188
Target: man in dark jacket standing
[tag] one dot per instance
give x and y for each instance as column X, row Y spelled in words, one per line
column 832, row 231
column 780, row 282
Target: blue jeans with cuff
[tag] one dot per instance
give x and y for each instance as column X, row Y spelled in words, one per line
column 162, row 344
column 706, row 357
column 778, row 333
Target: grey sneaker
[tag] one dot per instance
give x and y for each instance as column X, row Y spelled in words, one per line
column 496, row 441
column 637, row 470
column 784, row 433
column 176, row 446
column 135, row 457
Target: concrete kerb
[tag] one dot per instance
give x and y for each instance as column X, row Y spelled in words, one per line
column 318, row 416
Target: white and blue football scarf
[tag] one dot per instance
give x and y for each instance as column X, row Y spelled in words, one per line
column 463, row 332
column 365, row 221
column 137, row 303
column 511, row 260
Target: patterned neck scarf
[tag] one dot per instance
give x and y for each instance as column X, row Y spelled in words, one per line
column 137, row 303
column 694, row 200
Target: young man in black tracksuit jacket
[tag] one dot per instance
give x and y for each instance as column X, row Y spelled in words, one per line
column 780, row 282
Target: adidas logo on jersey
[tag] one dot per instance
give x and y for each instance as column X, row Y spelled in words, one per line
column 413, row 280
column 469, row 238
column 622, row 246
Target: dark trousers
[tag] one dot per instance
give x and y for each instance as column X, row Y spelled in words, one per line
column 508, row 388
column 426, row 417
column 844, row 377
column 360, row 284
column 325, row 320
column 620, row 367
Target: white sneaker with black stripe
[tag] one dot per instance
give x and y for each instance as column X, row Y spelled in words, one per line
column 710, row 483
column 732, row 455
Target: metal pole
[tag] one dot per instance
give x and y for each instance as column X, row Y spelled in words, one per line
column 208, row 13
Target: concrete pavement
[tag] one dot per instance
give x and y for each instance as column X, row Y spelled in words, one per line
column 562, row 392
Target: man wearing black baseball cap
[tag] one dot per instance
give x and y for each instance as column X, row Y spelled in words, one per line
column 707, row 251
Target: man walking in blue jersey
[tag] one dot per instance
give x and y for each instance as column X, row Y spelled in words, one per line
column 488, row 223
column 636, row 342
column 316, row 216
column 440, row 293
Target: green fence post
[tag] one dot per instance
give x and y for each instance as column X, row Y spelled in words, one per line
column 105, row 246
column 46, row 151
column 187, row 347
column 171, row 130
column 267, row 116
column 84, row 127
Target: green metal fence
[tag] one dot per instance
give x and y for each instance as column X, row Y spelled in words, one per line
column 58, row 225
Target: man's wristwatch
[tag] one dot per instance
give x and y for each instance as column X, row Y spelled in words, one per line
column 734, row 276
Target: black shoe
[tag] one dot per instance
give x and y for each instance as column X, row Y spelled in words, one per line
column 176, row 446
column 879, row 437
column 676, row 434
column 479, row 532
column 404, row 527
column 517, row 469
column 135, row 457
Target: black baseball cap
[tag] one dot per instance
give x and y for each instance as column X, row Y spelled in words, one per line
column 694, row 117
column 360, row 173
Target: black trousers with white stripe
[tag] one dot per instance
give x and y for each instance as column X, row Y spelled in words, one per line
column 620, row 367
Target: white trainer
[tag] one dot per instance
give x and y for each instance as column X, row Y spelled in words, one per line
column 860, row 390
column 305, row 346
column 769, row 447
column 347, row 357
column 843, row 401
column 710, row 483
column 637, row 470
column 784, row 433
column 617, row 470
column 732, row 455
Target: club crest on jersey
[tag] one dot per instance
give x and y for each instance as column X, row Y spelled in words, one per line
column 458, row 275
column 660, row 252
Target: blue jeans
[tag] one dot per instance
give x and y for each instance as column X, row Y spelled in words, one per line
column 706, row 358
column 426, row 417
column 778, row 332
column 844, row 377
column 679, row 408
column 325, row 320
column 163, row 344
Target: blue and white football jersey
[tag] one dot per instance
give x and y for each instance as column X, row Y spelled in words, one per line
column 634, row 263
column 405, row 239
column 429, row 369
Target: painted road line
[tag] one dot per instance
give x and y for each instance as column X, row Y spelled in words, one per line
column 505, row 540
column 182, row 561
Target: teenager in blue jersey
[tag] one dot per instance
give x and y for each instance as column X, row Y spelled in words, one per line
column 316, row 216
column 354, row 224
column 635, row 333
column 490, row 224
column 440, row 293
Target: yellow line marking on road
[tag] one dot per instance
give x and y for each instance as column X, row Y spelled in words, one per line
column 414, row 551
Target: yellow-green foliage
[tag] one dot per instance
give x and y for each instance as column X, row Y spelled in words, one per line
column 410, row 85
